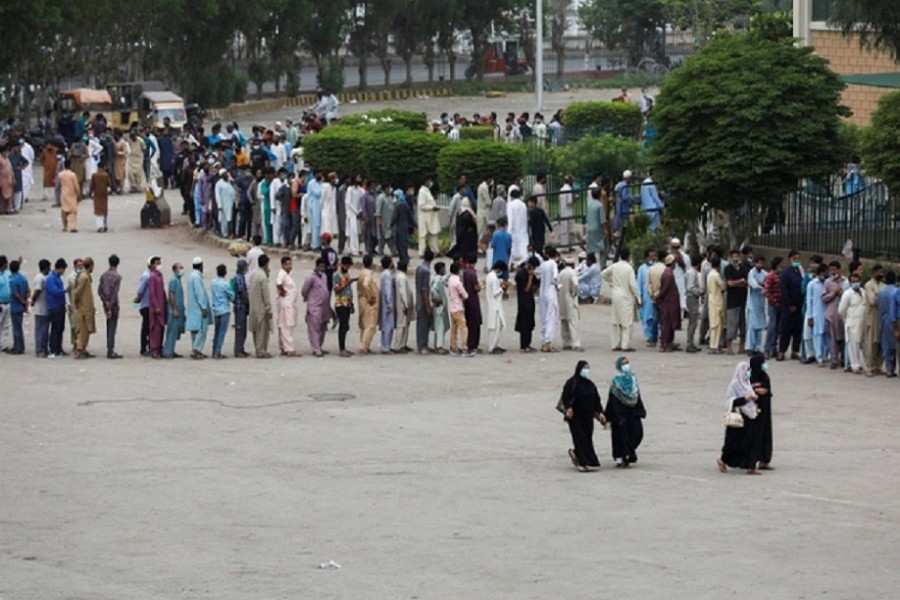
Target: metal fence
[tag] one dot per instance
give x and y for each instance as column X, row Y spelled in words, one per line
column 819, row 217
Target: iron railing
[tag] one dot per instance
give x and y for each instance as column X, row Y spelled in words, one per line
column 819, row 217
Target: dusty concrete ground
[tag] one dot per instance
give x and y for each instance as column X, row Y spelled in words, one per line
column 424, row 477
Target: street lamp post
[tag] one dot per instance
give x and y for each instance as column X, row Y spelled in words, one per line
column 539, row 59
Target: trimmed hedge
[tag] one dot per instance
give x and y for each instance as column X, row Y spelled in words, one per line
column 477, row 132
column 600, row 117
column 402, row 157
column 402, row 118
column 394, row 155
column 606, row 154
column 338, row 149
column 478, row 159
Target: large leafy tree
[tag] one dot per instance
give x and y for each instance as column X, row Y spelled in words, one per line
column 744, row 119
column 629, row 24
column 876, row 21
column 881, row 141
column 704, row 17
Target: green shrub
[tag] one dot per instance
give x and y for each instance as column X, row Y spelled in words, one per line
column 399, row 118
column 339, row 149
column 600, row 117
column 477, row 132
column 478, row 159
column 606, row 154
column 402, row 158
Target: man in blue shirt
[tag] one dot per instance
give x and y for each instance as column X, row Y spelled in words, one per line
column 142, row 297
column 5, row 319
column 18, row 304
column 501, row 243
column 222, row 297
column 624, row 200
column 55, row 290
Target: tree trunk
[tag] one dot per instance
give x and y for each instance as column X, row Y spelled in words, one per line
column 477, row 54
column 363, row 67
column 407, row 58
column 560, row 62
column 386, row 67
column 428, row 59
column 259, row 87
column 451, row 60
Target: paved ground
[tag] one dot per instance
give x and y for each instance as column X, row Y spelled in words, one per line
column 424, row 477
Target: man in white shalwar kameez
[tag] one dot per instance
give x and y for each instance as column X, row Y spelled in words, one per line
column 287, row 307
column 354, row 206
column 225, row 196
column 517, row 216
column 682, row 262
column 569, row 315
column 566, row 202
column 625, row 296
column 852, row 309
column 548, row 274
column 496, row 321
column 428, row 218
column 275, row 216
column 329, row 206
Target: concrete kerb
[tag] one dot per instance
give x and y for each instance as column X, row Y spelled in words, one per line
column 262, row 106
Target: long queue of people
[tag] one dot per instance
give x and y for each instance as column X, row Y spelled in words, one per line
column 439, row 298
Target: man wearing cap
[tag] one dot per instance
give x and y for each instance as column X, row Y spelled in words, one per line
column 198, row 313
column 682, row 261
column 668, row 307
column 624, row 200
column 651, row 204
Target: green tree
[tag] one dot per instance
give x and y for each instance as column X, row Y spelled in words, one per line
column 881, row 141
column 477, row 16
column 325, row 26
column 703, row 17
column 630, row 24
column 730, row 135
column 876, row 21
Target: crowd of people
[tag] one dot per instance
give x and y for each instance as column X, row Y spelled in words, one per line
column 745, row 304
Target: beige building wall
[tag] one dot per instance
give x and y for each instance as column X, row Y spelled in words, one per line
column 847, row 58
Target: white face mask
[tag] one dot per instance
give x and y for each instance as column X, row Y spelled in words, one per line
column 626, row 368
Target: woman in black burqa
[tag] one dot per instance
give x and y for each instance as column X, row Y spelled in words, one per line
column 762, row 386
column 582, row 405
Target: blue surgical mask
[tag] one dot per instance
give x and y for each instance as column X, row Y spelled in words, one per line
column 765, row 367
column 586, row 373
column 855, row 286
column 626, row 368
column 796, row 264
column 180, row 273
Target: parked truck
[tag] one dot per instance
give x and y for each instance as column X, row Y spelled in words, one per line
column 146, row 103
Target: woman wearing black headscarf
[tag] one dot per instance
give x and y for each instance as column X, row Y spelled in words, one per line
column 762, row 385
column 624, row 411
column 582, row 404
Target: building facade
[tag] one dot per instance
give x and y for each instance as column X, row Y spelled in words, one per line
column 869, row 75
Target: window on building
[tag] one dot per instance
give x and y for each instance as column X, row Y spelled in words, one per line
column 822, row 9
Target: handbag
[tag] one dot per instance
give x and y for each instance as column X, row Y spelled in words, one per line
column 734, row 419
column 561, row 404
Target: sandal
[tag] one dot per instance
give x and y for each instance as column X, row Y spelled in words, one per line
column 583, row 469
column 766, row 467
column 574, row 458
column 722, row 467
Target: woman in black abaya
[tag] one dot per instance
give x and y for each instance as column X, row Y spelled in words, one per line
column 762, row 386
column 738, row 451
column 624, row 411
column 582, row 404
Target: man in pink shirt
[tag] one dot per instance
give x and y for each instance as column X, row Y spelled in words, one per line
column 456, row 294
